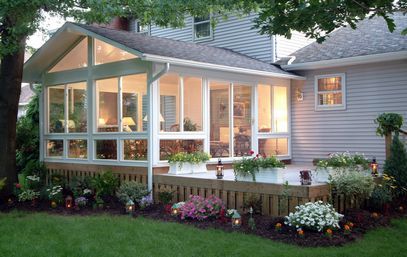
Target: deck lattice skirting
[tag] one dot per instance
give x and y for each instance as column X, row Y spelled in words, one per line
column 274, row 201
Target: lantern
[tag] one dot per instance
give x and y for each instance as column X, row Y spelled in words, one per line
column 68, row 202
column 219, row 169
column 130, row 206
column 236, row 220
column 375, row 167
column 175, row 209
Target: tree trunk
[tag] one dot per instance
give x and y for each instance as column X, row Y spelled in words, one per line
column 388, row 140
column 11, row 72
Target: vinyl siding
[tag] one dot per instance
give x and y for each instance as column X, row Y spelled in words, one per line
column 285, row 46
column 371, row 90
column 235, row 33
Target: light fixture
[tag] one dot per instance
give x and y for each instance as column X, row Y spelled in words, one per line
column 161, row 118
column 128, row 121
column 130, row 206
column 71, row 123
column 219, row 169
column 68, row 202
column 374, row 167
column 102, row 121
column 299, row 94
column 236, row 220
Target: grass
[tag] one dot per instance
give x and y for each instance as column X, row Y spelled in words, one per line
column 24, row 234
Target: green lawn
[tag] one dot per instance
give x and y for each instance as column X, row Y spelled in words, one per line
column 23, row 234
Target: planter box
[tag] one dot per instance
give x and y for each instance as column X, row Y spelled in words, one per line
column 321, row 175
column 179, row 168
column 273, row 175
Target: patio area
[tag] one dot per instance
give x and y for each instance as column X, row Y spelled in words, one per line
column 291, row 175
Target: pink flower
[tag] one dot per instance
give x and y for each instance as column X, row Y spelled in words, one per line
column 18, row 186
column 251, row 152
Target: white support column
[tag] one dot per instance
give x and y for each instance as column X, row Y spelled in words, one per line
column 90, row 93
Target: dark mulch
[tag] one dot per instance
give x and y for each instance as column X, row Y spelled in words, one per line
column 265, row 226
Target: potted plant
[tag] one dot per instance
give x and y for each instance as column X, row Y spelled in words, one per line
column 271, row 169
column 340, row 162
column 259, row 168
column 186, row 163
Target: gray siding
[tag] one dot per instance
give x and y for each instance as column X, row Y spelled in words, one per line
column 371, row 89
column 285, row 47
column 235, row 33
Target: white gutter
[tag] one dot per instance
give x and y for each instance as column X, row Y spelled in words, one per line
column 392, row 56
column 176, row 61
column 150, row 127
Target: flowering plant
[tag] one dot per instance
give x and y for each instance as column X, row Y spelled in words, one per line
column 344, row 160
column 329, row 232
column 197, row 207
column 146, row 201
column 81, row 201
column 230, row 212
column 249, row 165
column 55, row 193
column 314, row 216
column 28, row 195
column 195, row 157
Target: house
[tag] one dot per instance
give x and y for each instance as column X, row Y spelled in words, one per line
column 119, row 98
column 126, row 100
column 25, row 97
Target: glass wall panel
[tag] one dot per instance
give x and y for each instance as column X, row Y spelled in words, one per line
column 106, row 149
column 242, row 119
column 170, row 147
column 192, row 104
column 135, row 149
column 105, row 53
column 134, row 103
column 76, row 58
column 56, row 107
column 273, row 146
column 280, row 112
column 55, row 148
column 77, row 107
column 107, row 106
column 169, row 103
column 264, row 107
column 78, row 149
column 219, row 119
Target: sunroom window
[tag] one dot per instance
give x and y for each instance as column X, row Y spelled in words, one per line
column 124, row 97
column 70, row 99
column 106, row 53
column 180, row 100
column 74, row 59
column 330, row 92
column 202, row 27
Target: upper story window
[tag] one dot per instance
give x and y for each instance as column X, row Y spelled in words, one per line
column 106, row 53
column 142, row 29
column 330, row 92
column 202, row 28
column 76, row 58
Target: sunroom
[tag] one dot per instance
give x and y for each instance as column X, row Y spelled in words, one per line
column 121, row 99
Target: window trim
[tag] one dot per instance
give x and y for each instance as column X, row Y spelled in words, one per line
column 342, row 106
column 208, row 38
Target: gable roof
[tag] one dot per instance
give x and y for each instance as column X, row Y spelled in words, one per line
column 371, row 37
column 151, row 49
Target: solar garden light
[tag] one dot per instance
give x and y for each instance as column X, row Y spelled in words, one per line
column 130, row 206
column 236, row 220
column 374, row 167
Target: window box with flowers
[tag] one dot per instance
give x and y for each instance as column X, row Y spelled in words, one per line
column 260, row 169
column 340, row 162
column 187, row 163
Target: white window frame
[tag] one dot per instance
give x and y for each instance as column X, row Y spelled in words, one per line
column 342, row 106
column 210, row 37
column 274, row 134
column 181, row 134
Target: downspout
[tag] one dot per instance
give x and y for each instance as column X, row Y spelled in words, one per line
column 150, row 127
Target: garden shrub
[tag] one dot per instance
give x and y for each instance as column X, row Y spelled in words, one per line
column 28, row 195
column 81, row 186
column 253, row 201
column 344, row 160
column 105, row 184
column 383, row 192
column 54, row 193
column 388, row 123
column 200, row 208
column 315, row 216
column 165, row 196
column 396, row 164
column 131, row 190
column 353, row 183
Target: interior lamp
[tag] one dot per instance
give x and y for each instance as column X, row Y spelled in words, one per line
column 102, row 121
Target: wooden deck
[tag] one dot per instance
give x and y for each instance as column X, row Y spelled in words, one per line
column 276, row 199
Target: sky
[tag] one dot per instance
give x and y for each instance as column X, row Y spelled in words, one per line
column 48, row 24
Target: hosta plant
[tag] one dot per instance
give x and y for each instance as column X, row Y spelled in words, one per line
column 314, row 216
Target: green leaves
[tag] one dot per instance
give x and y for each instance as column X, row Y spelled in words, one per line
column 388, row 123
